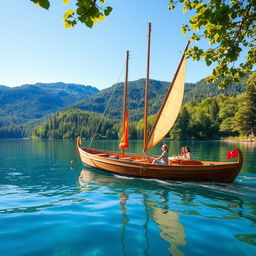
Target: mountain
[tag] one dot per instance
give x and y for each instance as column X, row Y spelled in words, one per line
column 136, row 89
column 26, row 105
column 203, row 90
column 97, row 103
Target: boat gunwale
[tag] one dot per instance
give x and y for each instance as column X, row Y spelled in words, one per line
column 205, row 164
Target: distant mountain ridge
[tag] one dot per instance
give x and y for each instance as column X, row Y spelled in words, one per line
column 136, row 91
column 26, row 105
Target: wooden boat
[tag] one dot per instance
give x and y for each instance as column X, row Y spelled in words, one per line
column 128, row 164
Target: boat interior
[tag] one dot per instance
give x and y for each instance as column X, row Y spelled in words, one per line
column 139, row 158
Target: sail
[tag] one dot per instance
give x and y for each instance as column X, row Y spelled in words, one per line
column 170, row 108
column 124, row 143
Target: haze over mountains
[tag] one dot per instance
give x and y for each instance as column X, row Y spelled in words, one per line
column 24, row 107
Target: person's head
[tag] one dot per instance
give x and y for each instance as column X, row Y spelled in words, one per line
column 182, row 151
column 165, row 147
column 187, row 149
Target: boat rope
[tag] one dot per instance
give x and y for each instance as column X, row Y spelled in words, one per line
column 111, row 96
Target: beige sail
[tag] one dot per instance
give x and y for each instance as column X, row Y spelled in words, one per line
column 171, row 106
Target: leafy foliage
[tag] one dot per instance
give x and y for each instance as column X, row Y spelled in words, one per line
column 88, row 12
column 228, row 26
column 42, row 3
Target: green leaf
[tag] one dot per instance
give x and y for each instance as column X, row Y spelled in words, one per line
column 208, row 62
column 68, row 24
column 108, row 10
column 68, row 14
column 95, row 20
column 80, row 10
column 42, row 3
column 89, row 23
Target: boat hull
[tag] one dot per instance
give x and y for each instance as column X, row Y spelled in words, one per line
column 131, row 165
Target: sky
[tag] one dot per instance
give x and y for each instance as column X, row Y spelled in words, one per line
column 36, row 47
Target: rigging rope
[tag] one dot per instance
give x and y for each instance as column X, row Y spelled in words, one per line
column 114, row 89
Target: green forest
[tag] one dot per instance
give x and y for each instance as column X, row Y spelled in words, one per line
column 215, row 117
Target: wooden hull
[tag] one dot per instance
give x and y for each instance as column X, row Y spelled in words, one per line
column 137, row 166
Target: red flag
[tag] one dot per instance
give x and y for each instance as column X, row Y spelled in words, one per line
column 232, row 154
column 124, row 143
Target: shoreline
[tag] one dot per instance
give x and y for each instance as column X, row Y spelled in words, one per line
column 240, row 140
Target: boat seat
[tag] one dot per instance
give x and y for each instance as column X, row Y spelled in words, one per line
column 102, row 154
column 184, row 162
column 126, row 158
column 191, row 162
column 113, row 157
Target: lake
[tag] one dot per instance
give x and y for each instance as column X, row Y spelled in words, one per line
column 52, row 207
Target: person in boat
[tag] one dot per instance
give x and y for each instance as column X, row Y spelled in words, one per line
column 188, row 153
column 163, row 159
column 182, row 153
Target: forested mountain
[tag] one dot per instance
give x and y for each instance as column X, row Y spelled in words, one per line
column 202, row 90
column 25, row 106
column 97, row 103
column 136, row 89
column 208, row 118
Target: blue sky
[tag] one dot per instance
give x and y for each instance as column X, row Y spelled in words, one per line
column 35, row 46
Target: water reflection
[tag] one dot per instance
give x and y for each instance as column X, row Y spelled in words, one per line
column 165, row 202
column 125, row 220
column 170, row 228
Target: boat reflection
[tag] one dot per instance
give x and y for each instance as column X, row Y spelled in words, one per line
column 213, row 201
column 171, row 229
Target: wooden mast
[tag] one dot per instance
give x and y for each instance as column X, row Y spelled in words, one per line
column 125, row 93
column 146, row 91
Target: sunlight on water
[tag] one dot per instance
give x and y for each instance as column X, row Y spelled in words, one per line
column 51, row 207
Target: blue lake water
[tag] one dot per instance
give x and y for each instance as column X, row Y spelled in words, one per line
column 51, row 207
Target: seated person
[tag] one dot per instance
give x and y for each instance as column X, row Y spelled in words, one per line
column 163, row 159
column 182, row 153
column 188, row 154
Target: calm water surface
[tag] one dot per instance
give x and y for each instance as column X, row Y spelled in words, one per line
column 50, row 207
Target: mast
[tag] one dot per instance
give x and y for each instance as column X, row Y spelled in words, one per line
column 125, row 97
column 146, row 90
